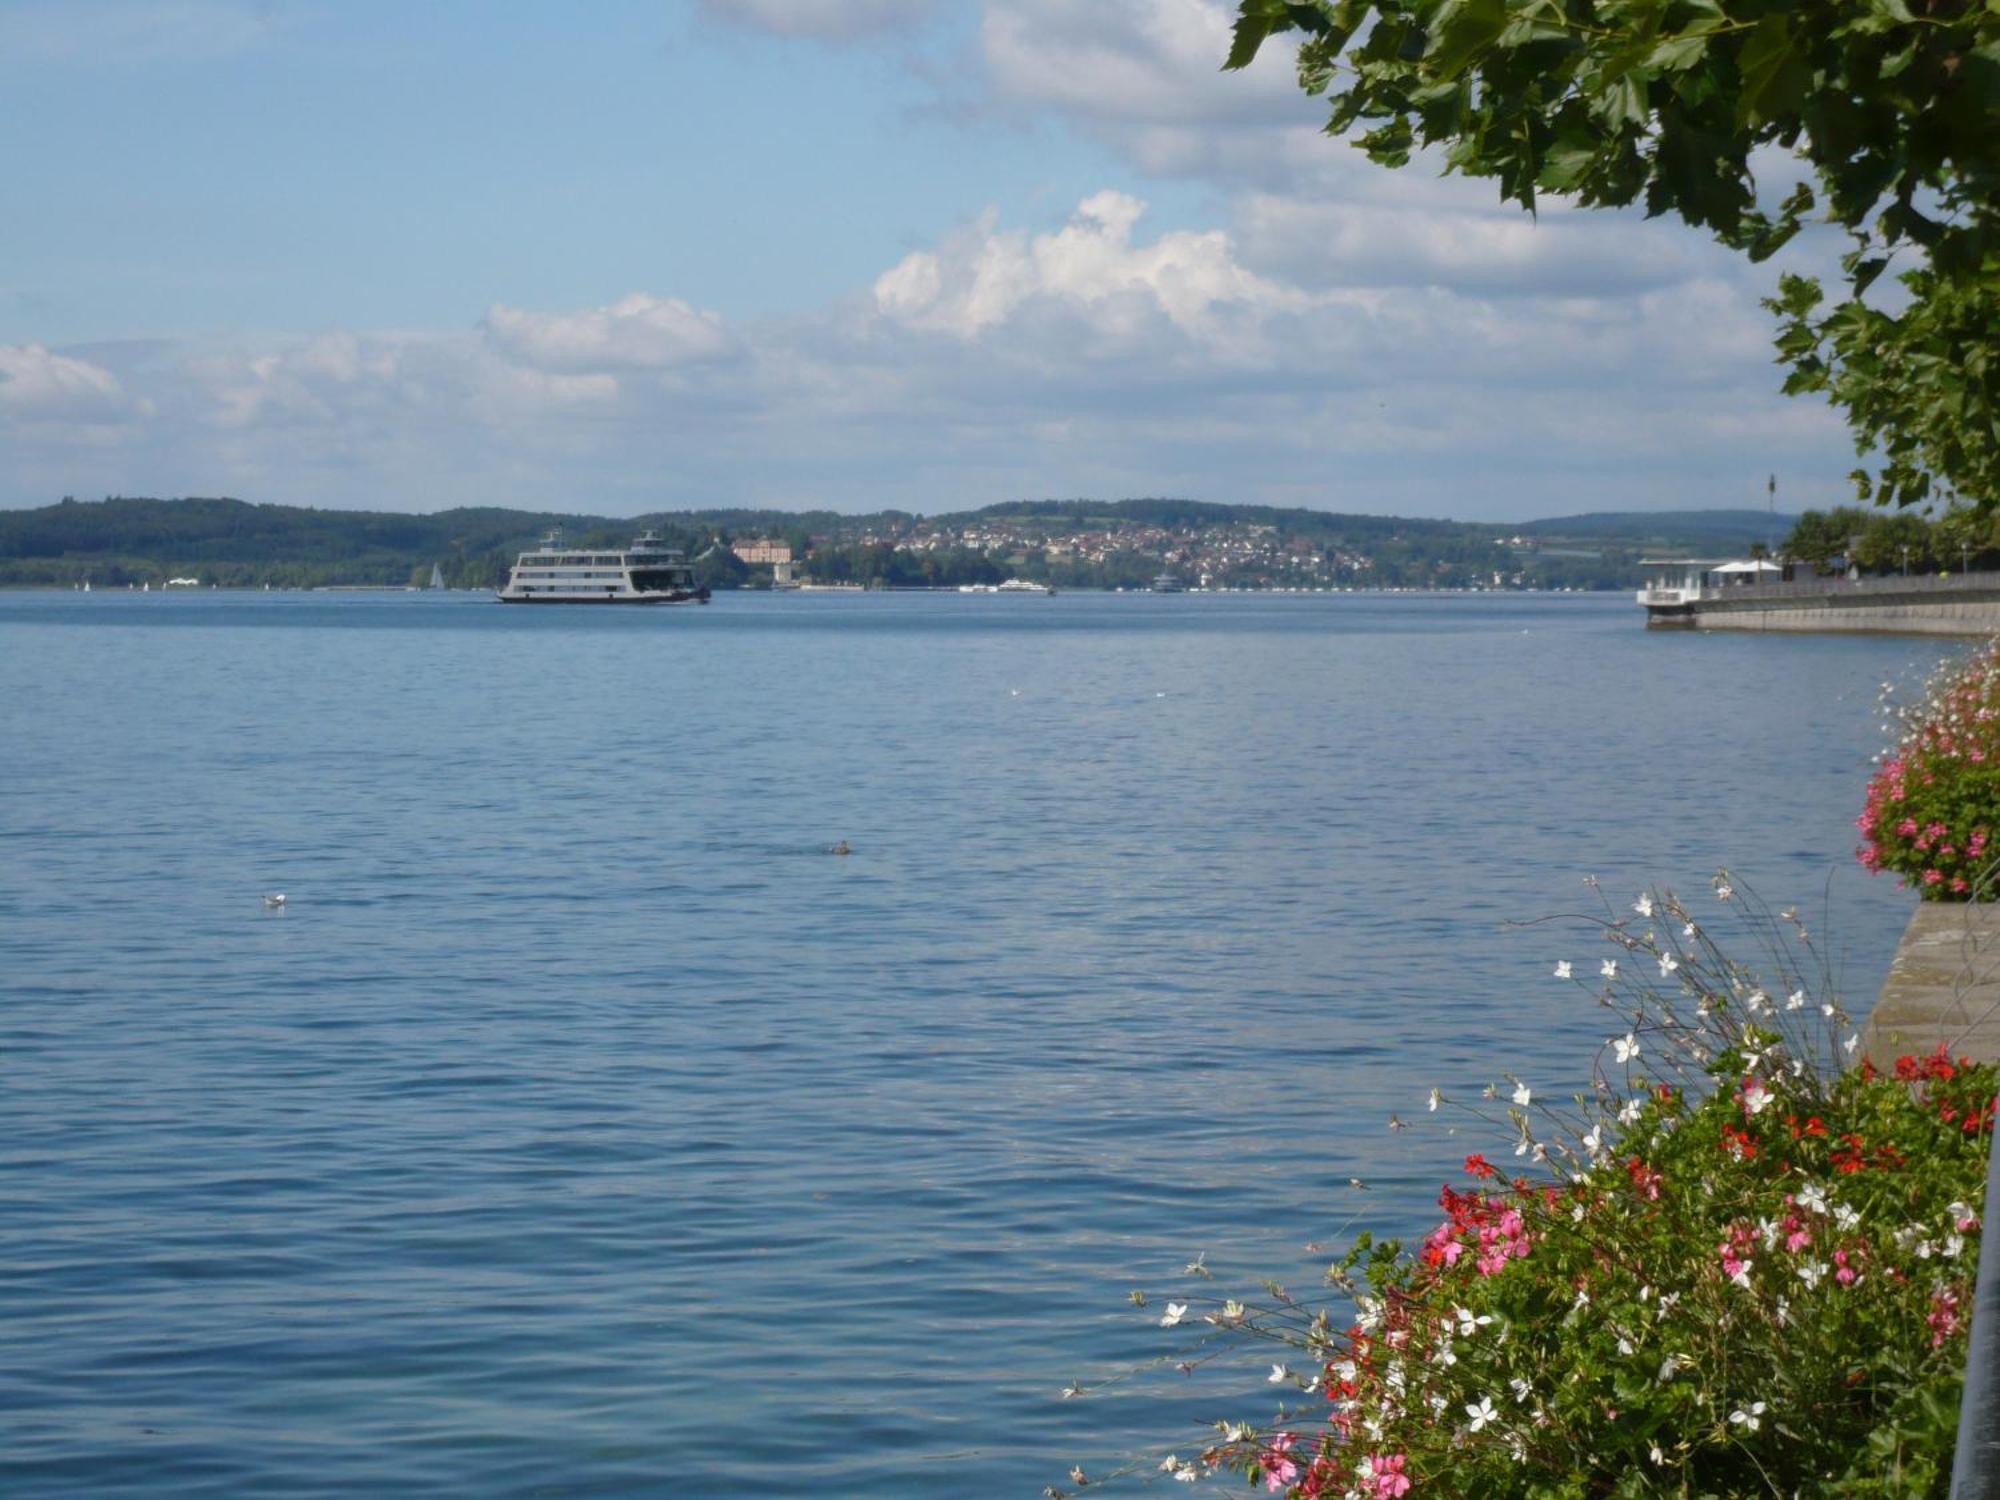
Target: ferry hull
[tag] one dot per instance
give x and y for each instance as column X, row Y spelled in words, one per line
column 700, row 596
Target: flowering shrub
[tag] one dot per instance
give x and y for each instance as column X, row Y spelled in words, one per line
column 1933, row 806
column 1741, row 1265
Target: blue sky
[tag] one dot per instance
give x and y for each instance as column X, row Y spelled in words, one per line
column 924, row 253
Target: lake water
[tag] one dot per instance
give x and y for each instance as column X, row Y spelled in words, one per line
column 581, row 1127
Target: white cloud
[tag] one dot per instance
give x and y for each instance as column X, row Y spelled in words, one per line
column 1134, row 62
column 837, row 20
column 38, row 384
column 983, row 277
column 1092, row 358
column 638, row 332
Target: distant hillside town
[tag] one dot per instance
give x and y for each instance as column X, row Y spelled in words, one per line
column 1089, row 544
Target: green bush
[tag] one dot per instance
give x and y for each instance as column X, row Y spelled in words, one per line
column 1740, row 1265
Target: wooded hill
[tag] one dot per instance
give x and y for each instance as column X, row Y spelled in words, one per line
column 236, row 544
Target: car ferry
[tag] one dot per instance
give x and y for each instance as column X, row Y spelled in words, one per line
column 647, row 572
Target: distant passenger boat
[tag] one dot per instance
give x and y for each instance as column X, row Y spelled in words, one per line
column 1167, row 583
column 648, row 572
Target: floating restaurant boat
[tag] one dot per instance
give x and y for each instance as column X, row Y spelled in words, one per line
column 647, row 572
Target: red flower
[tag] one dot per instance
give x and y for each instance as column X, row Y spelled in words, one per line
column 1477, row 1165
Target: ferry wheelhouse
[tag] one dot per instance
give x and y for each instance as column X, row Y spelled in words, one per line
column 647, row 572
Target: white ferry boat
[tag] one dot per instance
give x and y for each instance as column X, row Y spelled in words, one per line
column 647, row 572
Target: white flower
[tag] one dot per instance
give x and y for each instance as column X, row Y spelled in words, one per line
column 1723, row 891
column 1643, row 906
column 1609, row 968
column 1520, row 1388
column 1628, row 1112
column 1468, row 1324
column 1756, row 1098
column 1749, row 1418
column 1812, row 1198
column 1562, row 969
column 1656, row 1455
column 1279, row 1374
column 1812, row 1272
column 1853, row 1041
column 1827, row 1011
column 1784, row 1311
column 1593, row 1139
column 1624, row 1345
column 1482, row 1413
column 1436, row 1098
column 1844, row 1216
column 1952, row 1245
column 1796, row 1000
column 1523, row 1094
column 1626, row 1047
column 1174, row 1313
column 1187, row 1474
column 1668, row 963
column 1759, row 1002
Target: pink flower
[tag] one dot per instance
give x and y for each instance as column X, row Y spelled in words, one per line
column 1943, row 1317
column 1390, row 1481
column 1279, row 1470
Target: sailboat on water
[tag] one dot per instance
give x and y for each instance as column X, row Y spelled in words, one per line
column 437, row 576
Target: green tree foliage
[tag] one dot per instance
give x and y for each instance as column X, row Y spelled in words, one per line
column 1889, row 106
column 1819, row 536
column 1895, row 542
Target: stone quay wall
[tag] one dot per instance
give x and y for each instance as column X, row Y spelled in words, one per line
column 1960, row 606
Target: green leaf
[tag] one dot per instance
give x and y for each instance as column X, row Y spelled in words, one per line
column 1678, row 53
column 1774, row 76
column 1255, row 20
column 1462, row 31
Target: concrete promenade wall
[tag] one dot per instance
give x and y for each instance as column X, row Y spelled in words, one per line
column 1968, row 604
column 1943, row 985
column 1975, row 613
